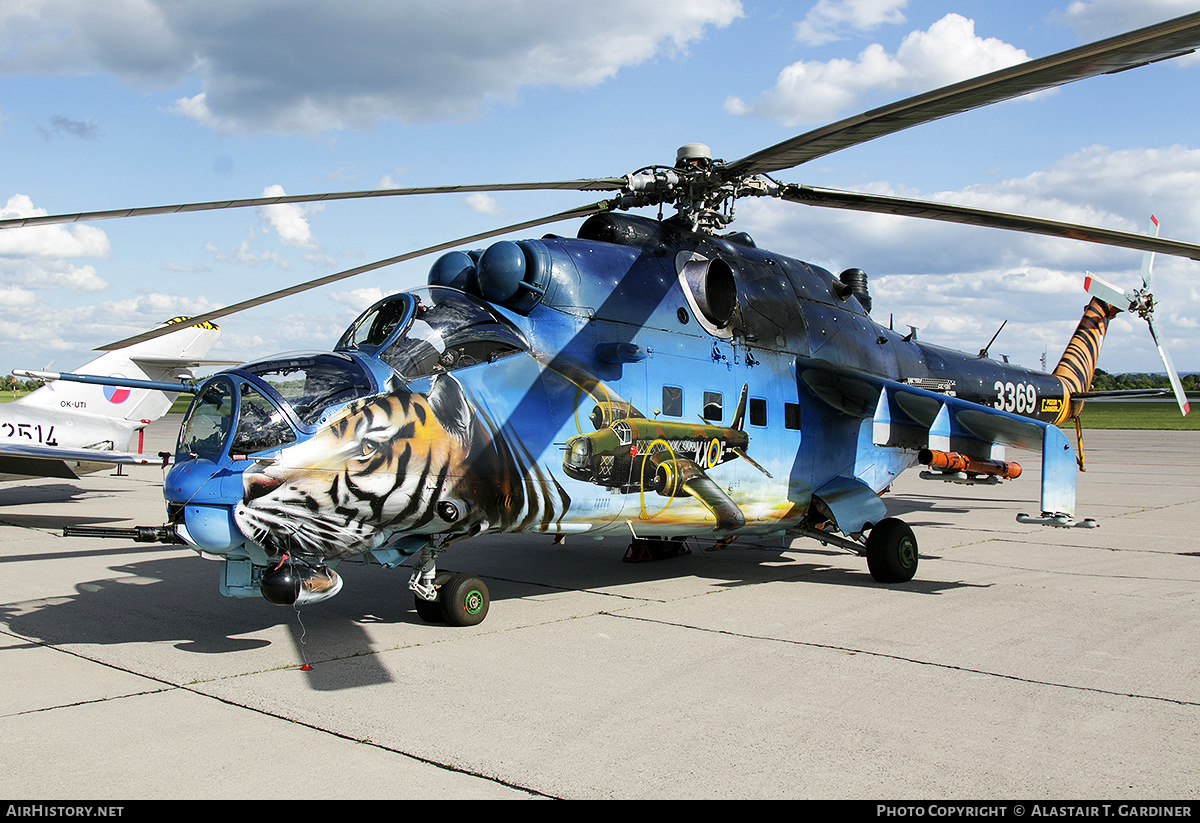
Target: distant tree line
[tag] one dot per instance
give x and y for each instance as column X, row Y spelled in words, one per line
column 1104, row 381
column 11, row 383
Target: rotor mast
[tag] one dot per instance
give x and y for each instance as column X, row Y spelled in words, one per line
column 700, row 188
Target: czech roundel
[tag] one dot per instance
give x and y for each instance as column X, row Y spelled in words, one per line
column 116, row 394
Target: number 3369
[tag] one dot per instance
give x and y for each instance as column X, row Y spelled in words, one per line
column 1015, row 397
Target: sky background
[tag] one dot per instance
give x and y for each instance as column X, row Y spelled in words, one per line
column 131, row 103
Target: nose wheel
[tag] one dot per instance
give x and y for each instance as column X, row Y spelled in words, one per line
column 441, row 597
column 462, row 600
column 429, row 611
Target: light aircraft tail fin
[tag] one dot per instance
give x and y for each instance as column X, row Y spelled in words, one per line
column 169, row 358
column 739, row 414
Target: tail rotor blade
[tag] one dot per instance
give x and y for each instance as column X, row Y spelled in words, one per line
column 1172, row 375
column 1148, row 257
column 1110, row 294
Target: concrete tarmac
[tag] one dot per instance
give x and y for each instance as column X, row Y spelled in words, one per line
column 1022, row 662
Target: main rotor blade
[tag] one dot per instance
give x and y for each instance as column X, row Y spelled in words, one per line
column 883, row 204
column 1124, row 51
column 603, row 184
column 583, row 211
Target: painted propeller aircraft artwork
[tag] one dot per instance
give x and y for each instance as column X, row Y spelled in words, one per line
column 651, row 378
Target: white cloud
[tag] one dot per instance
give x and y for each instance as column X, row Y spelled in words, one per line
column 58, row 275
column 290, row 220
column 831, row 20
column 814, row 92
column 35, row 326
column 387, row 182
column 48, row 241
column 482, row 203
column 15, row 297
column 180, row 269
column 358, row 299
column 153, row 307
column 352, row 63
column 35, row 258
column 243, row 255
column 196, row 108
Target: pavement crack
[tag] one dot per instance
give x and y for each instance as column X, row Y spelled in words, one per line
column 367, row 742
column 77, row 703
column 193, row 688
column 901, row 658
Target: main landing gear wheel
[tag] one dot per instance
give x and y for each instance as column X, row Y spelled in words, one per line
column 464, row 600
column 892, row 551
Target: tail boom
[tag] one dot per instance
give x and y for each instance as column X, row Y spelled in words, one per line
column 1077, row 367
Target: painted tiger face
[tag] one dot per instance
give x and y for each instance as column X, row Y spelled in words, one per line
column 382, row 466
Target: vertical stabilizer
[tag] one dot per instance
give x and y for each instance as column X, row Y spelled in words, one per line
column 168, row 358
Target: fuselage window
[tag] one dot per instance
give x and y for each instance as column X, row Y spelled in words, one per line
column 713, row 404
column 758, row 411
column 791, row 416
column 672, row 401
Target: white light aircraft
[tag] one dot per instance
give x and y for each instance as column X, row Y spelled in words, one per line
column 81, row 423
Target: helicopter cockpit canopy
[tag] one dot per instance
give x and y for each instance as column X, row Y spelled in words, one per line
column 262, row 405
column 432, row 329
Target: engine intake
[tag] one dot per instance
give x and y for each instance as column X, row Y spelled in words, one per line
column 714, row 289
column 513, row 275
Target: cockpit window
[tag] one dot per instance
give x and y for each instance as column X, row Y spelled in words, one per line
column 309, row 385
column 449, row 330
column 375, row 326
column 260, row 425
column 207, row 422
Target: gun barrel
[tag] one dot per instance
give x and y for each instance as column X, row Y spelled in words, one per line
column 138, row 534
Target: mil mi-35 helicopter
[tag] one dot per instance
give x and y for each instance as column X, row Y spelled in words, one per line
column 648, row 376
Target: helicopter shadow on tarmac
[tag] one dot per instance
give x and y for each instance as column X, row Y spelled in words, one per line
column 167, row 595
column 170, row 597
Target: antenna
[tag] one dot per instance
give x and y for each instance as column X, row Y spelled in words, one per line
column 984, row 351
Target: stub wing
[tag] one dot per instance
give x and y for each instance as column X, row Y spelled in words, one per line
column 905, row 415
column 905, row 419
